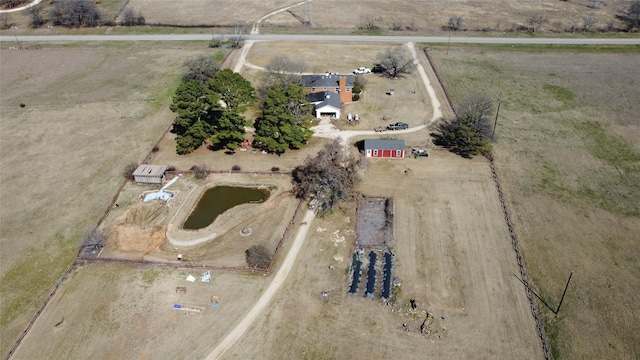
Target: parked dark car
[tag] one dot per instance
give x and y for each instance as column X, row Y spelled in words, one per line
column 398, row 126
column 377, row 69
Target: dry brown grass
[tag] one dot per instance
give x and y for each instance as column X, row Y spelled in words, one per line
column 453, row 255
column 89, row 111
column 569, row 158
column 425, row 15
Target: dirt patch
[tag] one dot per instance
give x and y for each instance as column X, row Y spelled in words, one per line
column 136, row 241
column 375, row 222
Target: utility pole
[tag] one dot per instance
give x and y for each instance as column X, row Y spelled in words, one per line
column 495, row 124
column 448, row 43
column 564, row 293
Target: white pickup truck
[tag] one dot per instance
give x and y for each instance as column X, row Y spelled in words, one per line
column 362, row 70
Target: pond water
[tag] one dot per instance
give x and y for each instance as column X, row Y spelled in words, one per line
column 219, row 199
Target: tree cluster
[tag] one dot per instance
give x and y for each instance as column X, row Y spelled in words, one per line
column 130, row 17
column 211, row 110
column 631, row 17
column 284, row 71
column 75, row 13
column 285, row 120
column 258, row 256
column 12, row 3
column 396, row 61
column 470, row 132
column 327, row 178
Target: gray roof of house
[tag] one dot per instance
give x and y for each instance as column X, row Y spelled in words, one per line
column 150, row 170
column 330, row 98
column 383, row 144
column 325, row 80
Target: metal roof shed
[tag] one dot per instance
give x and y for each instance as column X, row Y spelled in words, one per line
column 149, row 174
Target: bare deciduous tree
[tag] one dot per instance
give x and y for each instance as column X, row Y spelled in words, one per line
column 327, row 178
column 258, row 256
column 132, row 18
column 397, row 26
column 456, row 23
column 74, row 13
column 282, row 70
column 129, row 169
column 536, row 21
column 92, row 242
column 237, row 40
column 217, row 41
column 36, row 16
column 475, row 110
column 631, row 17
column 588, row 22
column 200, row 171
column 595, row 3
column 396, row 61
column 368, row 22
column 5, row 21
column 12, row 3
column 202, row 68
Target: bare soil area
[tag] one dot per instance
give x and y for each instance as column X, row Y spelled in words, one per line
column 453, row 256
column 137, row 230
column 569, row 156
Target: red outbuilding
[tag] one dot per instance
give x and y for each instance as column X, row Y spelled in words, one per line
column 384, row 148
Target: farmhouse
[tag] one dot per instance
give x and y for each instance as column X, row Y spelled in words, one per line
column 326, row 103
column 384, row 148
column 149, row 174
column 340, row 84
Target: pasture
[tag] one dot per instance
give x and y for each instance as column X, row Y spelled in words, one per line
column 568, row 155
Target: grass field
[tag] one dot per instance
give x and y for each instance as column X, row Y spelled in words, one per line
column 64, row 152
column 569, row 156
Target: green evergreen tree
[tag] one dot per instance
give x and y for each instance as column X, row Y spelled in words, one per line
column 235, row 91
column 285, row 120
column 197, row 109
column 229, row 131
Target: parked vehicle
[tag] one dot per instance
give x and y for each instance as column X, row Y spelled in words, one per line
column 398, row 126
column 419, row 152
column 378, row 69
column 380, row 128
column 362, row 70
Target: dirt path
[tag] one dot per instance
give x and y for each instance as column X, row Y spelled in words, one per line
column 266, row 297
column 256, row 26
column 327, row 130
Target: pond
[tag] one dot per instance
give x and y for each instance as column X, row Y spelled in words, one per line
column 219, row 199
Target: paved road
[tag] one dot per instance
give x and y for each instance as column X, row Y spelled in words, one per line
column 329, row 38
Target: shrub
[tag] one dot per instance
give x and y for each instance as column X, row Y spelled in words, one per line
column 200, row 171
column 155, row 149
column 171, row 168
column 236, row 168
column 355, row 97
column 129, row 169
column 357, row 90
column 275, row 168
column 258, row 256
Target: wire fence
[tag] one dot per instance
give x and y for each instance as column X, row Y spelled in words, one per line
column 546, row 347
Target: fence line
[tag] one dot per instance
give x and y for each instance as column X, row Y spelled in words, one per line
column 546, row 347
